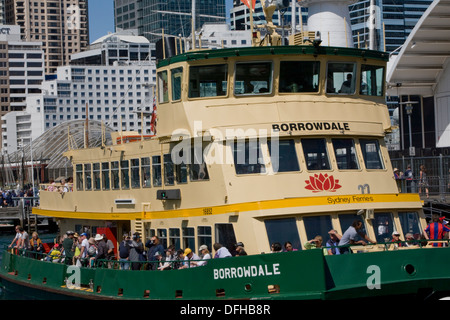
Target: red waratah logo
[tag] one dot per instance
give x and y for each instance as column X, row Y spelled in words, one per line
column 322, row 182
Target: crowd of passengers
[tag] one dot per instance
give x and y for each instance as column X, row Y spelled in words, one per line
column 84, row 251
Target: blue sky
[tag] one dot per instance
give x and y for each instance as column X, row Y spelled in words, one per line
column 101, row 17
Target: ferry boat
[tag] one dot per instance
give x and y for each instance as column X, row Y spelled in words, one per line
column 261, row 145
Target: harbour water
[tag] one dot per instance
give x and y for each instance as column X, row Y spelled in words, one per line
column 5, row 239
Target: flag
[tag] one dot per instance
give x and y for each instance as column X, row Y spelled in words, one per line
column 247, row 3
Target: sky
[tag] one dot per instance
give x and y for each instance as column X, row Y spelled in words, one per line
column 101, row 17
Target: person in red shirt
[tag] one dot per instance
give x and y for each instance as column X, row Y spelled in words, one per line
column 436, row 230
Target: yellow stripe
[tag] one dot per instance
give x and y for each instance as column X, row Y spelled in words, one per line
column 240, row 207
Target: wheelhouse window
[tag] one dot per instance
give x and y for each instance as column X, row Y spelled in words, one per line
column 341, row 77
column 96, row 174
column 156, row 171
column 283, row 155
column 145, row 172
column 169, row 176
column 248, row 158
column 299, row 76
column 316, row 155
column 345, row 153
column 197, row 168
column 383, row 226
column 115, row 178
column 79, row 175
column 208, row 81
column 371, row 154
column 105, row 176
column 135, row 178
column 253, row 78
column 125, row 174
column 163, row 87
column 87, row 176
column 372, row 79
column 177, row 77
column 282, row 231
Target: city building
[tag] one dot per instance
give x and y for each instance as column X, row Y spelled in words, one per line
column 61, row 26
column 393, row 22
column 2, row 11
column 218, row 35
column 119, row 95
column 153, row 17
column 21, row 69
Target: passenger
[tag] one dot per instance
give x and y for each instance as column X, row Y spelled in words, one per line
column 221, row 252
column 423, row 181
column 240, row 251
column 205, row 255
column 436, row 230
column 159, row 257
column 92, row 251
column 171, row 261
column 24, row 242
column 136, row 249
column 347, row 85
column 81, row 258
column 288, row 247
column 124, row 252
column 333, row 242
column 102, row 249
column 188, row 256
column 409, row 178
column 69, row 248
column 153, row 246
column 55, row 254
column 76, row 249
column 275, row 247
column 16, row 240
column 349, row 236
column 315, row 243
column 64, row 187
column 110, row 246
column 396, row 239
column 410, row 240
column 36, row 245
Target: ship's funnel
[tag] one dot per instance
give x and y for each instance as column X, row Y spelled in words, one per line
column 332, row 19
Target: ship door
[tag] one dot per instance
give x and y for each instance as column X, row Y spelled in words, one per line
column 111, row 234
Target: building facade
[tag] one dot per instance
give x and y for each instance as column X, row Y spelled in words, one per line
column 151, row 17
column 61, row 26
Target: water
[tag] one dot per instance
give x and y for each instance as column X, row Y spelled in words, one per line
column 6, row 236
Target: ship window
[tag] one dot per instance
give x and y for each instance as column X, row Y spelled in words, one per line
column 410, row 224
column 208, row 81
column 316, row 156
column 177, row 77
column 383, row 226
column 79, row 175
column 282, row 231
column 372, row 79
column 105, row 175
column 253, row 78
column 225, row 235
column 96, row 174
column 371, row 154
column 145, row 172
column 341, row 77
column 125, row 174
column 115, row 175
column 197, row 168
column 318, row 226
column 181, row 169
column 248, row 157
column 283, row 155
column 174, row 238
column 163, row 87
column 162, row 235
column 156, row 171
column 299, row 76
column 169, row 178
column 346, row 221
column 88, row 176
column 135, row 178
column 345, row 153
column 189, row 238
column 204, row 235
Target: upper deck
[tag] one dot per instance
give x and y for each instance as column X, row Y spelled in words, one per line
column 290, row 90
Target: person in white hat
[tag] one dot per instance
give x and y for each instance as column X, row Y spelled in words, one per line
column 205, row 255
column 396, row 238
column 102, row 249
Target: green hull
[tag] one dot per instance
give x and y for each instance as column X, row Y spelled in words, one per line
column 303, row 275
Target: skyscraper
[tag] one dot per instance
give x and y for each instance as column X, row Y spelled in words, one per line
column 396, row 17
column 61, row 26
column 151, row 17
